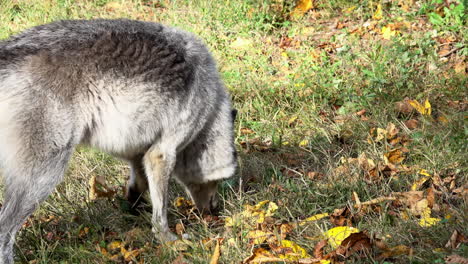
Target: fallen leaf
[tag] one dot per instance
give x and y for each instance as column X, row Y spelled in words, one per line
column 180, row 245
column 252, row 214
column 356, row 242
column 83, row 232
column 216, row 253
column 340, row 217
column 312, row 175
column 292, row 251
column 259, row 236
column 456, row 259
column 115, row 245
column 460, row 67
column 131, row 254
column 442, row 119
column 336, row 235
column 246, row 131
column 394, row 251
column 388, row 33
column 318, row 249
column 421, row 181
column 394, row 156
column 428, row 221
column 422, row 109
column 411, row 124
column 285, row 229
column 378, row 13
column 404, row 107
column 292, row 121
column 180, row 260
column 302, row 7
column 313, row 218
column 456, row 239
column 304, row 143
column 261, row 255
column 98, row 188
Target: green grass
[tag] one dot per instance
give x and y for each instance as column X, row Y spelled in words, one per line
column 307, row 70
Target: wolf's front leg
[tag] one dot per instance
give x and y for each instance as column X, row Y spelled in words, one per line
column 159, row 164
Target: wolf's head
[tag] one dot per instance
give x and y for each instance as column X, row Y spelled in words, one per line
column 206, row 161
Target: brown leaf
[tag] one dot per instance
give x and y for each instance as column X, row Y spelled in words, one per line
column 341, row 217
column 456, row 239
column 180, row 228
column 404, row 107
column 318, row 249
column 246, row 131
column 394, row 251
column 302, row 7
column 460, row 67
column 180, row 260
column 314, row 175
column 356, row 242
column 456, row 259
column 99, row 189
column 395, row 156
column 430, row 196
column 261, row 255
column 285, row 230
column 412, row 124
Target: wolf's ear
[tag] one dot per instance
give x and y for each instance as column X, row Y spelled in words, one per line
column 233, row 114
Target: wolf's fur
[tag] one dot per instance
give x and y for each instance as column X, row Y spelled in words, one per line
column 144, row 92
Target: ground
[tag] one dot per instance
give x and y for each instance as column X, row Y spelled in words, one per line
column 350, row 111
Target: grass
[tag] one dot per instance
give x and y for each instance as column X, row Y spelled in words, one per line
column 297, row 84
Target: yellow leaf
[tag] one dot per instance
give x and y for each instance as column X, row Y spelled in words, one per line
column 252, row 214
column 302, row 7
column 313, row 218
column 216, row 253
column 272, row 207
column 378, row 13
column 423, row 110
column 336, row 235
column 129, row 255
column 350, row 9
column 388, row 33
column 424, row 172
column 181, row 201
column 429, row 221
column 421, row 181
column 115, row 245
column 297, row 251
column 259, row 236
column 229, row 221
column 304, row 143
column 427, row 107
column 292, row 120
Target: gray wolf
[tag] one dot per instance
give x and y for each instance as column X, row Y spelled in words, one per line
column 144, row 92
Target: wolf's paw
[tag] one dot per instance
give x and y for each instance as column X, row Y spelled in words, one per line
column 165, row 236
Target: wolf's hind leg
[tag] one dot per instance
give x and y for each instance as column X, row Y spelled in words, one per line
column 159, row 165
column 26, row 186
column 137, row 183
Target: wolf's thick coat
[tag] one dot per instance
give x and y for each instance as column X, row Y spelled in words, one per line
column 144, row 92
